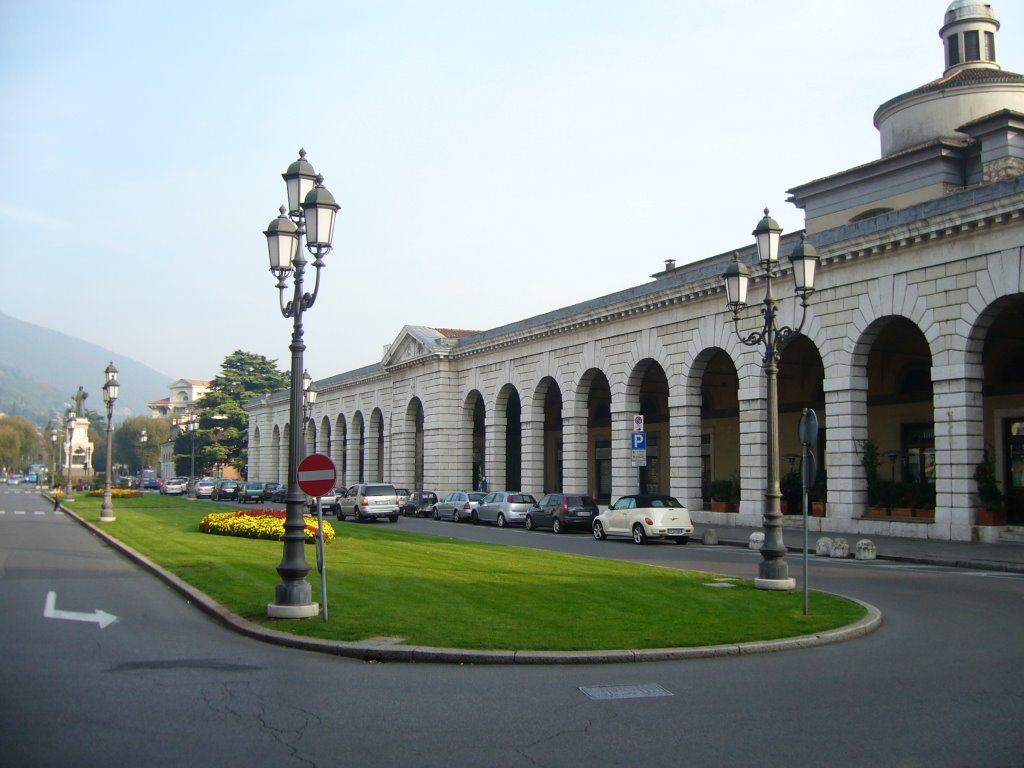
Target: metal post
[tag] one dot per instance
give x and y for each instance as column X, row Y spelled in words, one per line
column 107, row 511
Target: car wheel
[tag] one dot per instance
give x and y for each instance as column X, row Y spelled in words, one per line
column 529, row 523
column 556, row 525
column 436, row 515
column 455, row 515
column 599, row 533
column 357, row 515
column 501, row 520
column 393, row 518
column 474, row 518
column 680, row 539
column 341, row 515
column 639, row 535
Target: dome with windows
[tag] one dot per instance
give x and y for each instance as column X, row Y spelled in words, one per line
column 972, row 86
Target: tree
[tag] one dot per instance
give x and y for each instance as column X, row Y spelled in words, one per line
column 129, row 449
column 223, row 421
column 19, row 443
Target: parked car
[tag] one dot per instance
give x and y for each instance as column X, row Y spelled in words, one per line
column 252, row 491
column 403, row 495
column 420, row 503
column 329, row 502
column 504, row 508
column 151, row 484
column 275, row 491
column 458, row 505
column 225, row 489
column 203, row 489
column 176, row 486
column 643, row 517
column 367, row 501
column 562, row 511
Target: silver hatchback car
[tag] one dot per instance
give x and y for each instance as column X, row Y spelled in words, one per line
column 504, row 508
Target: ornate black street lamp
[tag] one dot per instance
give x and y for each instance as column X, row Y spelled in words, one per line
column 70, row 422
column 773, row 572
column 110, row 392
column 310, row 214
column 308, row 398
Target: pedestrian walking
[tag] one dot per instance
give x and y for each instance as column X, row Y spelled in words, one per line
column 58, row 493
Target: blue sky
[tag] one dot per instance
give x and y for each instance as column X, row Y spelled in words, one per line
column 493, row 160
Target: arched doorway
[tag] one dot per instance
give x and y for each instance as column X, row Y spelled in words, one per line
column 720, row 430
column 654, row 477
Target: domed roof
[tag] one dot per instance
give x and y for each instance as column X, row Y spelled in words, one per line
column 973, row 84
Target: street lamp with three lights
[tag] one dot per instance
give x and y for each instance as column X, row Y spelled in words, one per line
column 773, row 572
column 310, row 215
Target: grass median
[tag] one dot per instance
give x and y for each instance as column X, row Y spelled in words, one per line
column 439, row 591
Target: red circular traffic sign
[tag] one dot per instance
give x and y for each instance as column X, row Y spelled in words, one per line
column 316, row 474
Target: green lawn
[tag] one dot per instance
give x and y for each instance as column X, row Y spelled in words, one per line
column 435, row 591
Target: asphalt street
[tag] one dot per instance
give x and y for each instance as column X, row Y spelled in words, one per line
column 939, row 684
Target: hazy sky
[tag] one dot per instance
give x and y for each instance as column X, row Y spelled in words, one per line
column 493, row 160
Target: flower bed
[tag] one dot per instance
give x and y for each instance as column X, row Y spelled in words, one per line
column 117, row 493
column 259, row 524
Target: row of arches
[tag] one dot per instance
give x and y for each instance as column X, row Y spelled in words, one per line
column 705, row 421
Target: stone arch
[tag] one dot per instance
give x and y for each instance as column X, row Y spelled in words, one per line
column 474, row 415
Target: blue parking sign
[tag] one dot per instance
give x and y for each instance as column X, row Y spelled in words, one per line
column 639, row 441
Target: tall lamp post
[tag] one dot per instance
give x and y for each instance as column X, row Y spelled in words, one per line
column 53, row 457
column 773, row 339
column 310, row 214
column 143, row 438
column 71, row 422
column 308, row 398
column 192, row 424
column 110, row 392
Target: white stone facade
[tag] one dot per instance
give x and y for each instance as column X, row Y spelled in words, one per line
column 909, row 342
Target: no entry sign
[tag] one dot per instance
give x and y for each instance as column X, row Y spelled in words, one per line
column 316, row 474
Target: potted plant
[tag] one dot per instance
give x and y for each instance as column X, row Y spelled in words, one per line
column 792, row 489
column 819, row 492
column 721, row 495
column 878, row 505
column 991, row 511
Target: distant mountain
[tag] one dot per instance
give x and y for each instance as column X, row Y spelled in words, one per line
column 41, row 369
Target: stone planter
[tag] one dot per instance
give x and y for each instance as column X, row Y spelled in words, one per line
column 817, row 509
column 991, row 516
column 723, row 506
column 924, row 514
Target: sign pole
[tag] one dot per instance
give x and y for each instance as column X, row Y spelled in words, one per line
column 320, row 565
column 808, row 432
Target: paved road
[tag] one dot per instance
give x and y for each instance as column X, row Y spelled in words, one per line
column 940, row 684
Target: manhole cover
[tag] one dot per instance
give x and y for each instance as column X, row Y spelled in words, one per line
column 640, row 691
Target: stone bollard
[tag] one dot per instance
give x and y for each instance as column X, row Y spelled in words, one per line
column 865, row 550
column 710, row 536
column 824, row 547
column 840, row 548
column 756, row 540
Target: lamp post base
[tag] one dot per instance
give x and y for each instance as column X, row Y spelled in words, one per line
column 108, row 519
column 306, row 611
column 779, row 585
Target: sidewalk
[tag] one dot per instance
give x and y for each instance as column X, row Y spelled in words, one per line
column 1001, row 556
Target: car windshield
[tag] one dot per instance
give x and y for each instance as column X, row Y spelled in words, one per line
column 661, row 502
column 476, row 496
column 521, row 498
column 380, row 490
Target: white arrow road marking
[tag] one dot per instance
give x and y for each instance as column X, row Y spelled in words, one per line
column 102, row 618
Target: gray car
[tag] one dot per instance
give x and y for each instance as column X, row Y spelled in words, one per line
column 504, row 508
column 457, row 506
column 369, row 501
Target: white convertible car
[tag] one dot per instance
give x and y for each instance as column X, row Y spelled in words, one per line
column 645, row 516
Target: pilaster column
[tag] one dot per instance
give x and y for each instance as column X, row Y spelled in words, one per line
column 574, row 453
column 533, row 457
